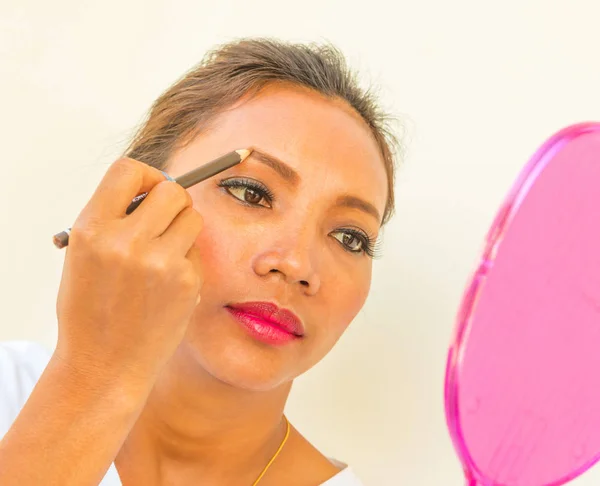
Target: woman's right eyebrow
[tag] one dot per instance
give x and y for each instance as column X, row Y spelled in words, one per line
column 283, row 169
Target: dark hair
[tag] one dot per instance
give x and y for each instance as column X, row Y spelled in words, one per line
column 236, row 69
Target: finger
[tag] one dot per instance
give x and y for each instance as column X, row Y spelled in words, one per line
column 156, row 213
column 183, row 232
column 124, row 179
column 194, row 257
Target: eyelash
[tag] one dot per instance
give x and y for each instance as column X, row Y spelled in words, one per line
column 247, row 184
column 369, row 245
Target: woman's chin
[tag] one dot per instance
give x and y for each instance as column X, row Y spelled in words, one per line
column 244, row 365
column 246, row 375
column 248, row 381
column 233, row 356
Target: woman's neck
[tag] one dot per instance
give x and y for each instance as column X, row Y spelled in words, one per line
column 195, row 426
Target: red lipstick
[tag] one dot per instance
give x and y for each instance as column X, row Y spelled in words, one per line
column 267, row 322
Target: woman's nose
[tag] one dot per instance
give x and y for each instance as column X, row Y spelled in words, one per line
column 293, row 258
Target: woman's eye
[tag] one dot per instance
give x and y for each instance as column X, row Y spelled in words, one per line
column 352, row 242
column 356, row 241
column 248, row 192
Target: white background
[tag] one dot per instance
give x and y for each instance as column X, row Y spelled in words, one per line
column 478, row 85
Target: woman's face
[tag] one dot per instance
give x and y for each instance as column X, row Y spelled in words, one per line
column 283, row 236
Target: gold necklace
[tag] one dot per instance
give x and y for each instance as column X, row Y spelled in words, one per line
column 287, row 434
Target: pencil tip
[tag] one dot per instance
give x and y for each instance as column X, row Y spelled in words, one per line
column 244, row 153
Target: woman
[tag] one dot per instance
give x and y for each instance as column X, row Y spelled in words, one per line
column 159, row 377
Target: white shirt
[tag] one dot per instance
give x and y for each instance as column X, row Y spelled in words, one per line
column 21, row 365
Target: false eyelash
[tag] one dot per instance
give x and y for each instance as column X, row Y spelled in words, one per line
column 371, row 244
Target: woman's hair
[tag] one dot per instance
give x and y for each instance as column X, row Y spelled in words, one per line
column 241, row 68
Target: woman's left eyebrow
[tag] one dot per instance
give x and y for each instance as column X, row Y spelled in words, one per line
column 290, row 175
column 350, row 201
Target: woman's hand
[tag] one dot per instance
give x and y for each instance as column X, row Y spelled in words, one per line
column 129, row 287
column 130, row 283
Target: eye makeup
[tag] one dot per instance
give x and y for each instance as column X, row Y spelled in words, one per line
column 369, row 244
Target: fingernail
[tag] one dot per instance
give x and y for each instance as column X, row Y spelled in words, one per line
column 169, row 178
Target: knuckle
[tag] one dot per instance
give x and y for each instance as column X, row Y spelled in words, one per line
column 125, row 165
column 159, row 267
column 127, row 168
column 185, row 196
column 189, row 279
column 175, row 193
column 192, row 218
column 167, row 269
column 104, row 246
column 82, row 235
column 156, row 263
column 196, row 219
column 121, row 252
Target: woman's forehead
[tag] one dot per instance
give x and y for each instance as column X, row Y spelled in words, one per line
column 320, row 139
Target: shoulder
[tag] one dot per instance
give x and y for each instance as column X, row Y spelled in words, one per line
column 301, row 463
column 21, row 365
column 344, row 477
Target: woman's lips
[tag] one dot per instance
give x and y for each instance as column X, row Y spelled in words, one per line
column 266, row 322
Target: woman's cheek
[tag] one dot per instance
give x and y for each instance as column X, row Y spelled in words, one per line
column 214, row 253
column 353, row 302
column 225, row 263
